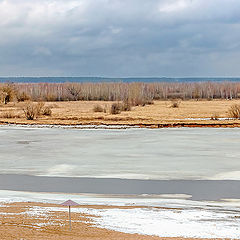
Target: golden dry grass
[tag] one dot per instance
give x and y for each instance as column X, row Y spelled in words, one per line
column 161, row 112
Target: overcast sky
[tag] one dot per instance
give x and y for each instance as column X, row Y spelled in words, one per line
column 114, row 38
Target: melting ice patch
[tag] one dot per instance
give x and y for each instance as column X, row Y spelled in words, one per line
column 61, row 169
column 233, row 175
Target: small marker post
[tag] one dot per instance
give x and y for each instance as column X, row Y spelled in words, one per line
column 69, row 203
column 70, row 227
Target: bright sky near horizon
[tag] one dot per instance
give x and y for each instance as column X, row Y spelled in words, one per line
column 114, row 38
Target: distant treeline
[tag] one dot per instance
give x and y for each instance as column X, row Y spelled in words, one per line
column 135, row 93
column 114, row 80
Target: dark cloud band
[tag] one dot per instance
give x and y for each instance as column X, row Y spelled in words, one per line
column 120, row 37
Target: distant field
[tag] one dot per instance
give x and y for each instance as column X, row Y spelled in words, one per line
column 161, row 112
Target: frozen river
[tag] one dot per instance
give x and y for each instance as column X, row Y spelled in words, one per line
column 180, row 178
column 161, row 154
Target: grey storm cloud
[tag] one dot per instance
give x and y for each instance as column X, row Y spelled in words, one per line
column 119, row 37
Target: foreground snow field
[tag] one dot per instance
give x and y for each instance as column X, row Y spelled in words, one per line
column 162, row 217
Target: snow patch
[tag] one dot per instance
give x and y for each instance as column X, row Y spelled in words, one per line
column 169, row 223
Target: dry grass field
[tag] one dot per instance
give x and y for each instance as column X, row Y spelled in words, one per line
column 81, row 112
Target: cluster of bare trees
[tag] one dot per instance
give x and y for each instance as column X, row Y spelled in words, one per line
column 7, row 93
column 134, row 93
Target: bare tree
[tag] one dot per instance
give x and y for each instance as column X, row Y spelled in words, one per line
column 74, row 90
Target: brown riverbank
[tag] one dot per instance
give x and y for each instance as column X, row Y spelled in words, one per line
column 42, row 221
column 189, row 114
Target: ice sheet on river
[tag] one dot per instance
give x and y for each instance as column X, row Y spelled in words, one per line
column 127, row 153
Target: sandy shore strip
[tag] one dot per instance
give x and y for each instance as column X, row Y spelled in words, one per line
column 123, row 124
column 40, row 221
column 29, row 220
column 29, row 215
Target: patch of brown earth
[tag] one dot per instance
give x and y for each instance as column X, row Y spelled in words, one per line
column 17, row 222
